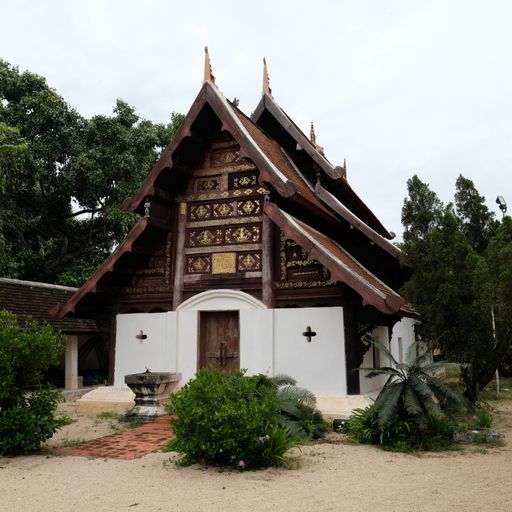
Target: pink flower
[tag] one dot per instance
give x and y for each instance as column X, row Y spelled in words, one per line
column 241, row 464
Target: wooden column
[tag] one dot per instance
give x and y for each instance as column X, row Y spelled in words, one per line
column 268, row 291
column 179, row 267
column 112, row 334
column 71, row 362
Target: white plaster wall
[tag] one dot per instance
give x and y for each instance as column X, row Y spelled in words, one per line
column 403, row 330
column 320, row 365
column 188, row 333
column 157, row 352
column 256, row 341
column 368, row 386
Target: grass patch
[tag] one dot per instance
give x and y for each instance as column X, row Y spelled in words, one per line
column 72, row 442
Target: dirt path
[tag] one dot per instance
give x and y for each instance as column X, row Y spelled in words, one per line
column 329, row 477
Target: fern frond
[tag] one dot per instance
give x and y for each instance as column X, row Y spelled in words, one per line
column 412, row 403
column 385, row 370
column 444, row 393
column 282, row 379
column 386, row 405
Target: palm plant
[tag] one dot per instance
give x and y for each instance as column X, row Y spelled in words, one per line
column 412, row 391
column 299, row 414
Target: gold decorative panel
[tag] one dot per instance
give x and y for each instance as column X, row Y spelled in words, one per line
column 222, row 158
column 204, row 237
column 243, row 234
column 223, row 262
column 249, row 207
column 207, row 184
column 200, row 211
column 224, row 210
column 198, row 264
column 298, row 270
column 243, row 180
column 248, row 261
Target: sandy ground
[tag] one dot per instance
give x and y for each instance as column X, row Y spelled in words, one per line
column 328, row 476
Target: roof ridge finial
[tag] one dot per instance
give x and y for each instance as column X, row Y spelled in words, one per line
column 266, row 81
column 312, row 135
column 208, row 75
column 312, row 138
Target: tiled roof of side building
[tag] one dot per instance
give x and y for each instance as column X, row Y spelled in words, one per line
column 28, row 299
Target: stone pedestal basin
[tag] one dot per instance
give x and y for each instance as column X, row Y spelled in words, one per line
column 151, row 392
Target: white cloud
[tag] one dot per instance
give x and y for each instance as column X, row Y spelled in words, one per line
column 396, row 87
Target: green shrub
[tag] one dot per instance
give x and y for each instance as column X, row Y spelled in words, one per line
column 229, row 420
column 400, row 435
column 25, row 426
column 27, row 412
column 483, row 415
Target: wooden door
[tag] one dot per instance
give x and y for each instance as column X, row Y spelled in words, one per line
column 219, row 340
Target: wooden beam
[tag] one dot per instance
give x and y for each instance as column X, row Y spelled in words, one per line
column 268, row 288
column 179, row 268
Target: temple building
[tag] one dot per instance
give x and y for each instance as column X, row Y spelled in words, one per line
column 251, row 251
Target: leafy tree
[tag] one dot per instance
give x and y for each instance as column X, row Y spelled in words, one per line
column 475, row 218
column 26, row 352
column 452, row 285
column 61, row 200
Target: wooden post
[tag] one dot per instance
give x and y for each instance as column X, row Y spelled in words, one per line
column 268, row 294
column 71, row 362
column 179, row 268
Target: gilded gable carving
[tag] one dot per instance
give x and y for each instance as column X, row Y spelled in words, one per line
column 297, row 270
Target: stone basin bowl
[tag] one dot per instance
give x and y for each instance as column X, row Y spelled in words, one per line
column 151, row 391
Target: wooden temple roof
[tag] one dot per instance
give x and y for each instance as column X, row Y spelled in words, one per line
column 277, row 170
column 344, row 191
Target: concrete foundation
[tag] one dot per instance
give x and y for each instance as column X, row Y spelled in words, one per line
column 106, row 398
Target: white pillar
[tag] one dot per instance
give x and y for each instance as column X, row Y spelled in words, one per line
column 71, row 362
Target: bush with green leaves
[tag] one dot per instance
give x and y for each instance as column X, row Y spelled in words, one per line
column 412, row 411
column 229, row 420
column 27, row 410
column 25, row 426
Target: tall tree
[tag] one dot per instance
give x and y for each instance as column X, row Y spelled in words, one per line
column 61, row 200
column 452, row 281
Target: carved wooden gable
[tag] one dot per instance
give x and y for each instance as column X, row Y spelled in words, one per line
column 297, row 270
column 224, row 208
column 150, row 286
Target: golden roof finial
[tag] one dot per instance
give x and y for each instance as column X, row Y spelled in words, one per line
column 208, row 75
column 266, row 81
column 312, row 138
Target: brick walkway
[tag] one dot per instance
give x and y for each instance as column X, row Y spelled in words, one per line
column 129, row 444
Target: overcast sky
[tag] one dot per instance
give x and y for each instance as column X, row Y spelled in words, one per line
column 395, row 87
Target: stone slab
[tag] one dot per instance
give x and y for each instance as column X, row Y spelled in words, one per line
column 106, row 398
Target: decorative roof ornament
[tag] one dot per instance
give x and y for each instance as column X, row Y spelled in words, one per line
column 312, row 138
column 208, row 75
column 266, row 81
